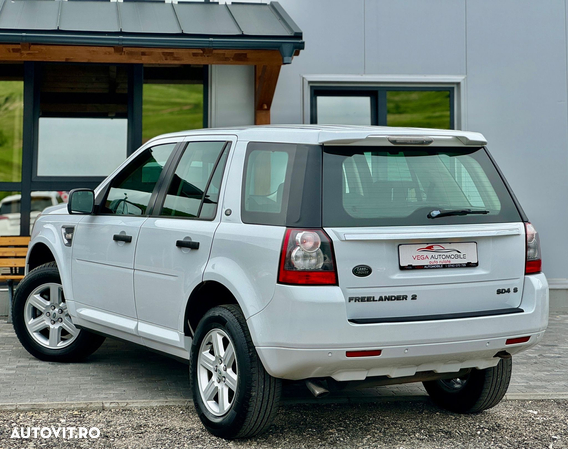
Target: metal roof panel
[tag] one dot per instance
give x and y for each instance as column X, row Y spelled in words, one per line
column 258, row 20
column 29, row 15
column 148, row 17
column 89, row 16
column 206, row 18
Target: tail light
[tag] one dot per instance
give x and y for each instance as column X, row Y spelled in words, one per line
column 307, row 258
column 533, row 262
column 3, row 217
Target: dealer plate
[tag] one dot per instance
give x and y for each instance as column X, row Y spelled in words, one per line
column 438, row 255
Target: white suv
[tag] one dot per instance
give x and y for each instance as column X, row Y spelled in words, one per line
column 345, row 256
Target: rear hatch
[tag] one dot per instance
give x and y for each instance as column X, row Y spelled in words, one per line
column 422, row 232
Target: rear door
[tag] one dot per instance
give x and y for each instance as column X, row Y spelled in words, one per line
column 422, row 233
column 174, row 244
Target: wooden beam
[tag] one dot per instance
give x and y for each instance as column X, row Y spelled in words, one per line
column 266, row 77
column 137, row 55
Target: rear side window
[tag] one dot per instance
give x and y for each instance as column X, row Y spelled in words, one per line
column 194, row 188
column 363, row 187
column 282, row 184
column 266, row 178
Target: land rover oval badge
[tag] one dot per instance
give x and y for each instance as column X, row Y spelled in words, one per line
column 362, row 271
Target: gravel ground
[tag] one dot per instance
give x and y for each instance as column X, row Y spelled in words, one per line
column 395, row 424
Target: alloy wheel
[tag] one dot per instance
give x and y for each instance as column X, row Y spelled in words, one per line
column 47, row 319
column 217, row 372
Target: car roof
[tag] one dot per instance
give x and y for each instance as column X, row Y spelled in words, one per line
column 336, row 134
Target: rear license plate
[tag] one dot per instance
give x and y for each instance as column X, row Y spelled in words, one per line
column 438, row 255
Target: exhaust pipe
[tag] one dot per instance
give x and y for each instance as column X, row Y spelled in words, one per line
column 317, row 388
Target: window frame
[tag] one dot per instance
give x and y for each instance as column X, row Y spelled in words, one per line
column 410, row 82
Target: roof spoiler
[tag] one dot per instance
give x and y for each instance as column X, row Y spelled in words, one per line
column 418, row 137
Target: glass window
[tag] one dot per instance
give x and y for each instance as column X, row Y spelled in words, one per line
column 420, row 108
column 265, row 177
column 83, row 119
column 10, row 208
column 81, row 146
column 186, row 194
column 11, row 120
column 170, row 108
column 172, row 99
column 381, row 188
column 9, row 213
column 131, row 189
column 346, row 110
column 282, row 185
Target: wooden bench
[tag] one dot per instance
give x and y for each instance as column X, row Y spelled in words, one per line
column 13, row 252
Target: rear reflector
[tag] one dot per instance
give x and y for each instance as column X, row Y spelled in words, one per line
column 515, row 341
column 371, row 353
column 533, row 266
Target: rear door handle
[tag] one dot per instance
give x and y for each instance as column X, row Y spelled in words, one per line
column 187, row 244
column 122, row 238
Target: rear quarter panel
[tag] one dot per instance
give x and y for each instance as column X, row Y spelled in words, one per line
column 244, row 258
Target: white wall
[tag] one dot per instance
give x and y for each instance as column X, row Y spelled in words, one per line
column 513, row 55
column 231, row 95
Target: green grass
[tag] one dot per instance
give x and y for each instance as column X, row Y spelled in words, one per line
column 11, row 118
column 421, row 109
column 171, row 107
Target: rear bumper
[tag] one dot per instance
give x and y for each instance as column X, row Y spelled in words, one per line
column 304, row 332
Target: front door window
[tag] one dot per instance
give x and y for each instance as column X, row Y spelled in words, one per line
column 130, row 191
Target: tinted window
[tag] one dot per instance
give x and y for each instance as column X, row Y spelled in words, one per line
column 193, row 191
column 363, row 187
column 265, row 179
column 282, row 184
column 131, row 189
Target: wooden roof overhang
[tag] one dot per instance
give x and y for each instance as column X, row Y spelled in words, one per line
column 262, row 35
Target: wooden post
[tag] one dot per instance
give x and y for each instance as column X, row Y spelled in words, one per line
column 266, row 77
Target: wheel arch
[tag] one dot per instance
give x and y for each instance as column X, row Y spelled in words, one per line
column 204, row 297
column 47, row 247
column 39, row 254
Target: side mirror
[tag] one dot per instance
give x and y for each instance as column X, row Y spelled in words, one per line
column 81, row 201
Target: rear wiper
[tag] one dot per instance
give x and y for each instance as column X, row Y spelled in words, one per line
column 447, row 213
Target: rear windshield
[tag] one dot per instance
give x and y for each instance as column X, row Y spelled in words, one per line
column 366, row 186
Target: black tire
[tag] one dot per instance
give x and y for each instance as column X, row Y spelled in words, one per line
column 252, row 407
column 38, row 290
column 475, row 392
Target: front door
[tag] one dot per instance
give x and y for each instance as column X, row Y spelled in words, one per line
column 174, row 244
column 104, row 243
